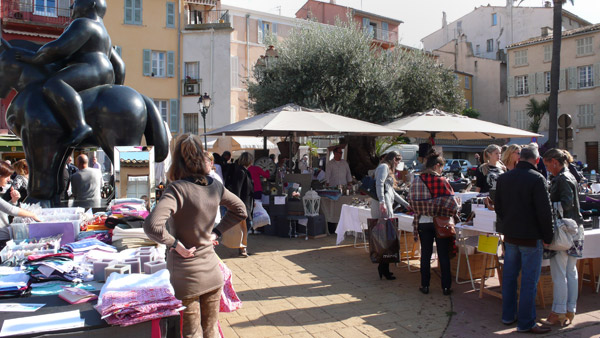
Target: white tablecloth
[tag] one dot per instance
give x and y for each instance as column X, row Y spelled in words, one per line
column 591, row 244
column 351, row 219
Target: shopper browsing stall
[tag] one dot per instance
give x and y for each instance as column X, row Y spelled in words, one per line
column 189, row 205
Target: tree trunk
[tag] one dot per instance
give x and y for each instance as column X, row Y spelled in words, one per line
column 555, row 74
column 361, row 154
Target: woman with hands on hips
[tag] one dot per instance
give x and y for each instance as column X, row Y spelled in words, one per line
column 189, row 207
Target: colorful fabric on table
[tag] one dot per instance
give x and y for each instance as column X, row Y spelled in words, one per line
column 135, row 306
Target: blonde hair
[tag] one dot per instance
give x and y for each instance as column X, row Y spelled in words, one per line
column 21, row 167
column 507, row 154
column 188, row 158
column 485, row 167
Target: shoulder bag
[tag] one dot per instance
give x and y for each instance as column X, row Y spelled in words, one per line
column 444, row 225
column 562, row 239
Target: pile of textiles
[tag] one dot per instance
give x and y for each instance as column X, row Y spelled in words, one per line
column 130, row 238
column 14, row 282
column 95, row 223
column 86, row 245
column 130, row 299
column 103, row 236
column 129, row 207
column 59, row 266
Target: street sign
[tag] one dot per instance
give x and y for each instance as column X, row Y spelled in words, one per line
column 534, row 140
column 569, row 134
column 564, row 120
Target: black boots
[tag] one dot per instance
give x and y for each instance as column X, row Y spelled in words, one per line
column 384, row 270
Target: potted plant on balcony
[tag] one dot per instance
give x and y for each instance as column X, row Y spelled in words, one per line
column 189, row 80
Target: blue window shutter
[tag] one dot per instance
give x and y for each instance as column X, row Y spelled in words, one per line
column 170, row 14
column 170, row 64
column 260, row 31
column 366, row 23
column 137, row 12
column 174, row 115
column 274, row 28
column 146, row 62
column 128, row 11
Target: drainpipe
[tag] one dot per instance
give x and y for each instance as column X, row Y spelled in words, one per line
column 179, row 97
column 212, row 61
column 508, row 79
column 247, row 47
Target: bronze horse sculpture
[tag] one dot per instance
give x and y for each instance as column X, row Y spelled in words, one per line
column 118, row 116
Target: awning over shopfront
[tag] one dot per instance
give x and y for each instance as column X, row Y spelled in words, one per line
column 234, row 143
column 10, row 143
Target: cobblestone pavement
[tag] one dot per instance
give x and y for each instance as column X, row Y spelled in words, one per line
column 298, row 288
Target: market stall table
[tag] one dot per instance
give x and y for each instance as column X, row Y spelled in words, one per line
column 331, row 206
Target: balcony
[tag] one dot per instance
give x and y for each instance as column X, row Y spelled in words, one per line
column 380, row 35
column 18, row 14
column 207, row 19
column 202, row 2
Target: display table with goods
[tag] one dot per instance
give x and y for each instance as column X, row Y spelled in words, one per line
column 332, row 202
column 106, row 279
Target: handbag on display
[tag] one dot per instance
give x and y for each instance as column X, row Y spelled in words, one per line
column 563, row 238
column 444, row 226
column 384, row 246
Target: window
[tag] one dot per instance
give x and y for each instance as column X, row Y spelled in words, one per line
column 490, row 45
column 586, row 77
column 137, row 186
column 521, row 57
column 521, row 83
column 385, row 34
column 467, row 82
column 162, row 108
column 522, row 120
column 45, row 7
column 494, row 19
column 235, row 76
column 133, row 12
column 584, row 46
column 547, row 82
column 192, row 70
column 265, row 29
column 158, row 64
column 190, row 123
column 459, row 27
column 547, row 53
column 366, row 26
column 585, row 115
column 169, row 112
column 171, row 14
column 477, row 52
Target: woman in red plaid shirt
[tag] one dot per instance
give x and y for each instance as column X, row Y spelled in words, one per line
column 431, row 195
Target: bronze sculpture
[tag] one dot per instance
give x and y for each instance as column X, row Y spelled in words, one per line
column 116, row 115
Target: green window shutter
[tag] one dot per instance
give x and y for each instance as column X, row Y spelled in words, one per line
column 170, row 14
column 260, row 31
column 539, row 82
column 596, row 77
column 510, row 86
column 572, row 75
column 170, row 64
column 137, row 12
column 385, row 35
column 128, row 11
column 146, row 62
column 174, row 115
column 562, row 80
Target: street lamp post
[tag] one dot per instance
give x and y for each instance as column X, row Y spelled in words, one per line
column 204, row 104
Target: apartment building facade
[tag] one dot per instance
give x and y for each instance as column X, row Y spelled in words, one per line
column 145, row 34
column 491, row 28
column 384, row 30
column 529, row 64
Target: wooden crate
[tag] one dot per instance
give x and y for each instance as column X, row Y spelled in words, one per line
column 476, row 263
column 545, row 285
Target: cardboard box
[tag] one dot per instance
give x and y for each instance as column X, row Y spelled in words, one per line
column 476, row 263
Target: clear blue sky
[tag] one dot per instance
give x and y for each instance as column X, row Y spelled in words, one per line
column 420, row 17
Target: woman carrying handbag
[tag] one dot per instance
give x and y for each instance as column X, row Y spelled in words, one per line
column 386, row 194
column 563, row 189
column 432, row 196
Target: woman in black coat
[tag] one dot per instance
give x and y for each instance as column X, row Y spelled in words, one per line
column 240, row 183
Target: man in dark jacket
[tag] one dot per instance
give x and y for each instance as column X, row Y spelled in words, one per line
column 523, row 205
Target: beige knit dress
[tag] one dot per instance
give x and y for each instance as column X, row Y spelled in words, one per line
column 190, row 210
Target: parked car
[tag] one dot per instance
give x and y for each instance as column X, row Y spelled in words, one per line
column 454, row 163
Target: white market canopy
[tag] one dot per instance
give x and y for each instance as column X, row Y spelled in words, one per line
column 233, row 143
column 292, row 119
column 442, row 125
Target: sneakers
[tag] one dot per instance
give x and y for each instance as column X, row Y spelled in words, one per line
column 243, row 252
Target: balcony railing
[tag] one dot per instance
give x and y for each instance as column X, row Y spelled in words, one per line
column 191, row 87
column 202, row 2
column 382, row 35
column 28, row 12
column 198, row 17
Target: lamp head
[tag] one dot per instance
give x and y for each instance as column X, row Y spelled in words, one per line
column 206, row 100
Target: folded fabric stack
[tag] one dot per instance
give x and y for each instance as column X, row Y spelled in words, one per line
column 14, row 282
column 101, row 235
column 130, row 299
column 86, row 245
column 129, row 207
column 54, row 267
column 130, row 238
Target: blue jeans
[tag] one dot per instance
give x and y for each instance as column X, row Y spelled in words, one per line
column 564, row 276
column 528, row 261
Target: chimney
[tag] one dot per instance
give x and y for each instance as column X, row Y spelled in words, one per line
column 547, row 4
column 444, row 21
column 546, row 31
column 332, row 2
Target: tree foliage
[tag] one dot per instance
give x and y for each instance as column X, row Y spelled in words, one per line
column 536, row 110
column 471, row 112
column 336, row 68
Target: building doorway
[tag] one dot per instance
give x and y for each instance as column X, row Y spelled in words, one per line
column 591, row 155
